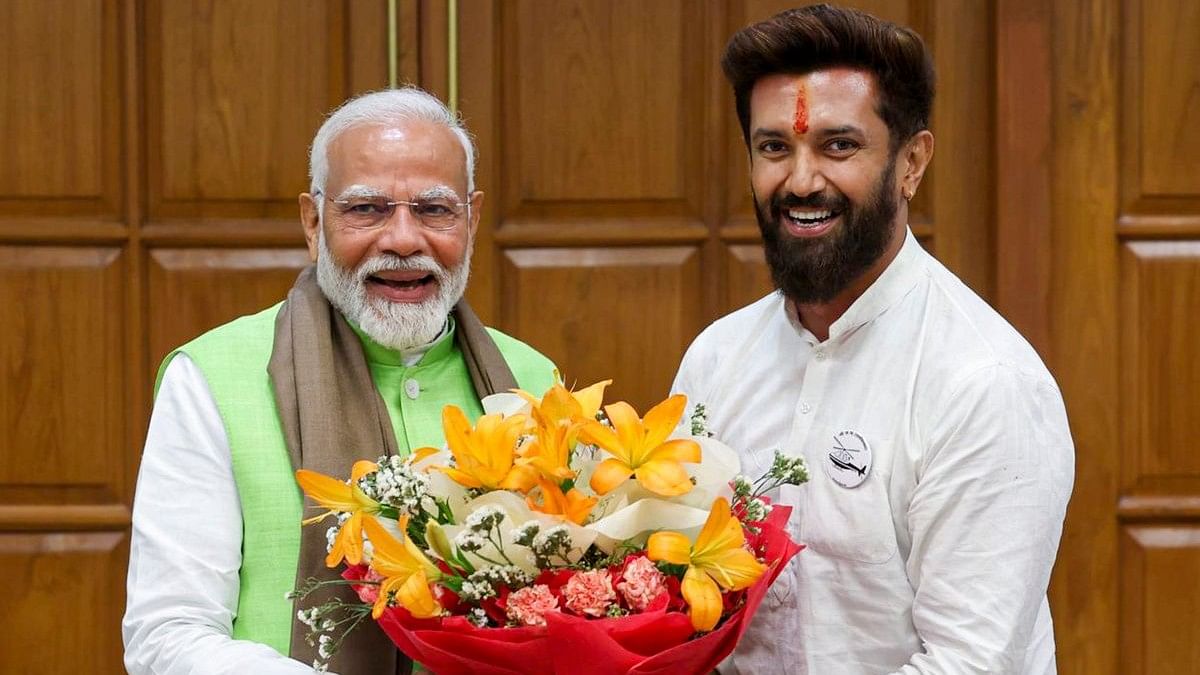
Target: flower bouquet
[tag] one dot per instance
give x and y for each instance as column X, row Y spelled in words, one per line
column 553, row 537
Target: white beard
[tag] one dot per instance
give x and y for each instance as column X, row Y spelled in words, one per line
column 397, row 325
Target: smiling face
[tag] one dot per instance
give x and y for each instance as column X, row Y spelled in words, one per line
column 824, row 179
column 396, row 279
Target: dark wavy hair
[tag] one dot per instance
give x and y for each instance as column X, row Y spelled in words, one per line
column 800, row 41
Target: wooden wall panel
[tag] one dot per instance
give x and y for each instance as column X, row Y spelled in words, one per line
column 620, row 313
column 1160, row 117
column 1161, row 363
column 64, row 598
column 1168, row 70
column 234, row 94
column 747, row 277
column 63, row 383
column 192, row 290
column 60, row 98
column 1159, row 604
column 599, row 112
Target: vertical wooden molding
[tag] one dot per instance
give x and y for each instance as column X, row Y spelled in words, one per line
column 393, row 46
column 1024, row 137
column 452, row 54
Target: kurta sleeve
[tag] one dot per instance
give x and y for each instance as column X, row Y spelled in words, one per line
column 185, row 552
column 985, row 519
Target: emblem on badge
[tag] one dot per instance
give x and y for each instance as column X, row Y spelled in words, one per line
column 849, row 460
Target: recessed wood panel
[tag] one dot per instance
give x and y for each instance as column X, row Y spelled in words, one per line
column 62, row 381
column 1168, row 73
column 1160, row 600
column 60, row 96
column 747, row 277
column 620, row 313
column 1161, row 360
column 599, row 107
column 63, row 602
column 193, row 290
column 235, row 92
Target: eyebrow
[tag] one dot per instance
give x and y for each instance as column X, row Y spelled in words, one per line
column 358, row 192
column 437, row 192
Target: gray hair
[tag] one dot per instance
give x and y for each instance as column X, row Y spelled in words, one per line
column 389, row 106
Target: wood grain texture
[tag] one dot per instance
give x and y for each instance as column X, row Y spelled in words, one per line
column 599, row 313
column 1082, row 311
column 63, row 602
column 60, row 360
column 59, row 108
column 1159, row 362
column 747, row 277
column 193, row 290
column 233, row 100
column 1159, row 606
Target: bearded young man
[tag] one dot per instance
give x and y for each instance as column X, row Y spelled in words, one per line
column 937, row 441
column 358, row 362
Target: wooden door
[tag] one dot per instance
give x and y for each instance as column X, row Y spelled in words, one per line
column 618, row 221
column 153, row 151
column 1099, row 240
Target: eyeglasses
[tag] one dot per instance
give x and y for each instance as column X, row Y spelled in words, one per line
column 368, row 213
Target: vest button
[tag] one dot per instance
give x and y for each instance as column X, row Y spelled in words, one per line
column 412, row 388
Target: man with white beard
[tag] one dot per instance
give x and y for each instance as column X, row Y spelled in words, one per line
column 357, row 362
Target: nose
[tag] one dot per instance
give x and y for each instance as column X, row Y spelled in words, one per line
column 804, row 175
column 402, row 234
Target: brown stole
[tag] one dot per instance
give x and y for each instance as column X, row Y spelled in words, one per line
column 332, row 416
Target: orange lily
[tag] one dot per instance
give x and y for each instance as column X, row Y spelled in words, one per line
column 484, row 457
column 560, row 405
column 341, row 497
column 640, row 448
column 719, row 559
column 405, row 571
column 574, row 505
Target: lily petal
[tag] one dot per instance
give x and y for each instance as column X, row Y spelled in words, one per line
column 664, row 477
column 703, row 598
column 609, row 474
column 328, row 492
column 677, row 450
column 415, row 596
column 662, row 419
column 669, row 546
column 591, row 397
column 629, row 428
column 734, row 568
column 361, row 468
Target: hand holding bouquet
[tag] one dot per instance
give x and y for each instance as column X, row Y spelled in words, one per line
column 553, row 537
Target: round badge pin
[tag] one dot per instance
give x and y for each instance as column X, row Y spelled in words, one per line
column 849, row 459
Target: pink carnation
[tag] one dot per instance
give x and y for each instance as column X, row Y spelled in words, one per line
column 589, row 593
column 643, row 583
column 529, row 605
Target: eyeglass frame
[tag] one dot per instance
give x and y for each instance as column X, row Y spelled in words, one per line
column 392, row 203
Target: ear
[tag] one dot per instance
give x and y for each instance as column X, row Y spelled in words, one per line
column 915, row 157
column 310, row 220
column 476, row 213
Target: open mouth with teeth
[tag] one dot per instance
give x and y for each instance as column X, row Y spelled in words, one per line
column 810, row 219
column 407, row 286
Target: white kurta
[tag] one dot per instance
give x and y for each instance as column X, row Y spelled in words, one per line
column 938, row 561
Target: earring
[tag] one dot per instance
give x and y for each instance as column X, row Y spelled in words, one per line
column 908, row 195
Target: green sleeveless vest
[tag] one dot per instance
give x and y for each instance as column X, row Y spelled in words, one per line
column 233, row 359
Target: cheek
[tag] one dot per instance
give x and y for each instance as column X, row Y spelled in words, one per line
column 448, row 250
column 766, row 177
column 348, row 251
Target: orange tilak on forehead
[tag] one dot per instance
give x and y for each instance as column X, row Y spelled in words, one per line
column 800, row 124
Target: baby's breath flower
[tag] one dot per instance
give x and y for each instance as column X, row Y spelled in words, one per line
column 469, row 541
column 523, row 535
column 742, row 487
column 789, row 470
column 484, row 519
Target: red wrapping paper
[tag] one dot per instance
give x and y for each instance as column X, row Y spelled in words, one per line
column 650, row 643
